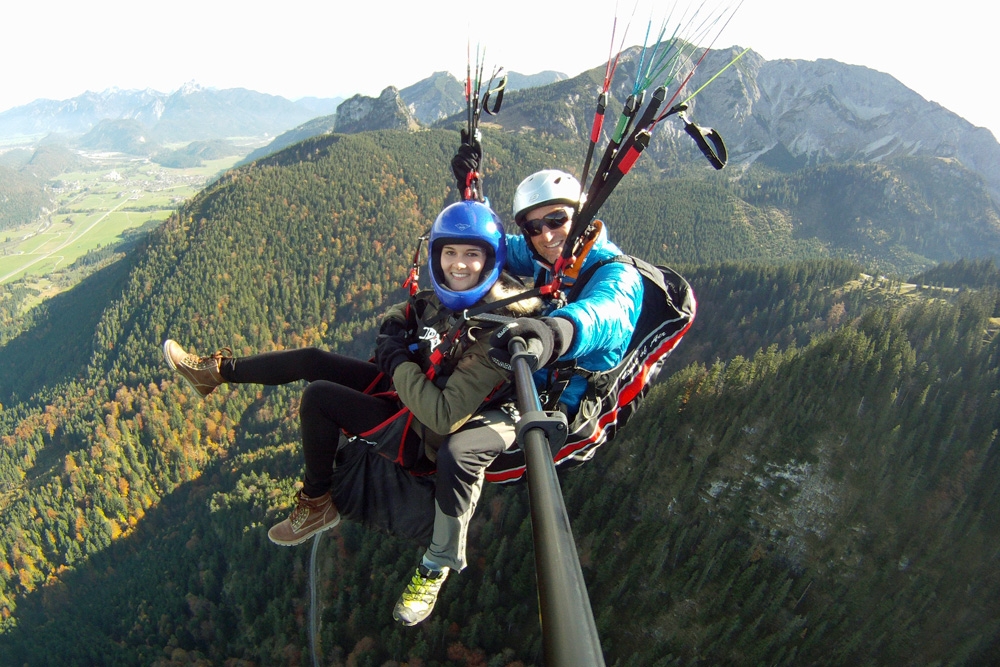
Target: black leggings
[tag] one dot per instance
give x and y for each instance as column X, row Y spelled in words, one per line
column 307, row 363
column 332, row 401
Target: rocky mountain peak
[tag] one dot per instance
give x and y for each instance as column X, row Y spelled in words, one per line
column 386, row 112
column 438, row 96
column 827, row 111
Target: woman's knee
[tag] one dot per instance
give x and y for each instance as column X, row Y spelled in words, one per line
column 313, row 397
column 313, row 357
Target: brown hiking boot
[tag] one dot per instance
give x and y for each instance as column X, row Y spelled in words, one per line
column 201, row 373
column 310, row 516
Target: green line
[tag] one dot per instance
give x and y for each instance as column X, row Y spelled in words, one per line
column 731, row 62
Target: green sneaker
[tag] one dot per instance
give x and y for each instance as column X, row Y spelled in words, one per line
column 201, row 373
column 417, row 601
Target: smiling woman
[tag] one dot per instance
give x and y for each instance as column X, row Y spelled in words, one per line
column 462, row 265
column 420, row 406
column 467, row 254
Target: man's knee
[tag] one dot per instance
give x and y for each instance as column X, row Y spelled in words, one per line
column 449, row 460
column 470, row 450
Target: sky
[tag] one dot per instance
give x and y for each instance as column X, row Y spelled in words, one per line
column 58, row 49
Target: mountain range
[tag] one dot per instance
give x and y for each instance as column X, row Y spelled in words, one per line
column 193, row 113
column 784, row 113
column 188, row 114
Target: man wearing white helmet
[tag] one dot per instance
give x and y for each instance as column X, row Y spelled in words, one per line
column 595, row 328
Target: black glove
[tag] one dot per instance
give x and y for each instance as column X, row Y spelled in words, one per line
column 466, row 160
column 391, row 346
column 545, row 340
column 392, row 327
column 390, row 352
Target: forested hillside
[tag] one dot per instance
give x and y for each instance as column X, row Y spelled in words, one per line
column 22, row 197
column 812, row 483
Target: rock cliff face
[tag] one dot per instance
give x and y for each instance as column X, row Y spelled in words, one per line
column 790, row 113
column 386, row 112
column 438, row 96
column 826, row 111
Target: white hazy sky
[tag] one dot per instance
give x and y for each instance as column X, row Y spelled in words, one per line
column 57, row 49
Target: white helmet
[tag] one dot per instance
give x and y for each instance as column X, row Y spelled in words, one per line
column 549, row 186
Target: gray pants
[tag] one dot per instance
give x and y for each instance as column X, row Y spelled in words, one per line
column 461, row 464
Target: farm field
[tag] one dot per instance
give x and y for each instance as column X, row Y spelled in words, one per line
column 94, row 209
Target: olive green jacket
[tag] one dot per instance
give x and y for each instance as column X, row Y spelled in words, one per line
column 471, row 377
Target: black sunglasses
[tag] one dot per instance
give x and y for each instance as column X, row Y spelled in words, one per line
column 553, row 220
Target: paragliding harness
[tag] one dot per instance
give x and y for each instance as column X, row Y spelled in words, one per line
column 613, row 395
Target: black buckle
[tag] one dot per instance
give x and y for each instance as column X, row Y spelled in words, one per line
column 553, row 424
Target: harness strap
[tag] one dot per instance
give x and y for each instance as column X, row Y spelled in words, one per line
column 447, row 344
column 561, row 372
column 411, row 284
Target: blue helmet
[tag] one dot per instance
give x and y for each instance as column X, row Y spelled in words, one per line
column 472, row 223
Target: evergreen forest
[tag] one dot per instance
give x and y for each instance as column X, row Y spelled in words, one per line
column 812, row 481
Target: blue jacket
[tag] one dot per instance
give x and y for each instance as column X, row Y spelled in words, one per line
column 603, row 316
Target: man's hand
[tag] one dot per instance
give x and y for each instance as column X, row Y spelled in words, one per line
column 545, row 340
column 466, row 160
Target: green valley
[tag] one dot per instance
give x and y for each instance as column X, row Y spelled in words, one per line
column 92, row 208
column 813, row 481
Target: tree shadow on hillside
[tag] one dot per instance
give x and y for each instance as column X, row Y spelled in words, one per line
column 61, row 343
column 157, row 590
column 197, row 579
column 198, row 582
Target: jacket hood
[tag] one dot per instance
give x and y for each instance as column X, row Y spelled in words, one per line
column 508, row 286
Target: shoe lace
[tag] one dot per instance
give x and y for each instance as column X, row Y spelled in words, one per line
column 211, row 361
column 300, row 513
column 420, row 588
